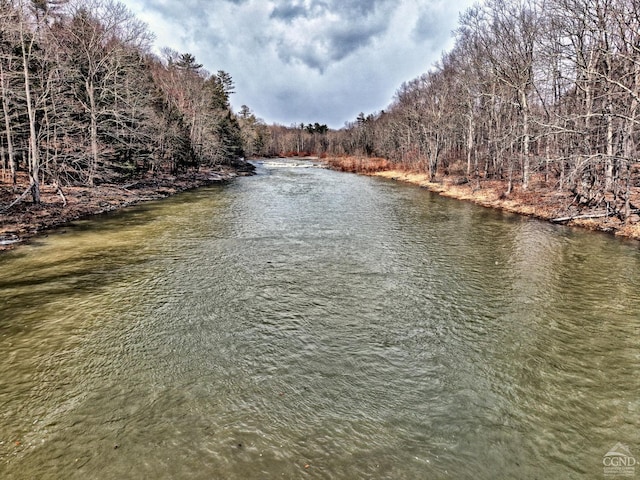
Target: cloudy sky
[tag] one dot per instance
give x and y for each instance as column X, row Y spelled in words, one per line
column 307, row 60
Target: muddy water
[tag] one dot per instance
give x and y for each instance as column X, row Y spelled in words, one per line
column 307, row 323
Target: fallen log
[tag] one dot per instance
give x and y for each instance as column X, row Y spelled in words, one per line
column 581, row 217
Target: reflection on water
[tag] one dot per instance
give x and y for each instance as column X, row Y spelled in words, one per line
column 307, row 322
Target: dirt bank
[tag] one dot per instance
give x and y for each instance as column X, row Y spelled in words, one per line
column 25, row 219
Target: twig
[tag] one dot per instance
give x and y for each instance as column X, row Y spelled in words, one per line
column 19, row 199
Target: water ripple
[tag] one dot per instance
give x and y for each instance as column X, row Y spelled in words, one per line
column 306, row 322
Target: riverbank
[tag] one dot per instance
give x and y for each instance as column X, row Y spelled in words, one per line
column 539, row 201
column 26, row 220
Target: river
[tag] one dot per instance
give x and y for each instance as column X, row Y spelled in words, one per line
column 305, row 323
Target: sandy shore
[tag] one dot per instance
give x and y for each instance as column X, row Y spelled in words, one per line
column 542, row 204
column 538, row 201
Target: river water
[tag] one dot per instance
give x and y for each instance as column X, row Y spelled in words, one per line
column 305, row 323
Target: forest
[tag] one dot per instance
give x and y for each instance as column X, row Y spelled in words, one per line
column 85, row 102
column 536, row 94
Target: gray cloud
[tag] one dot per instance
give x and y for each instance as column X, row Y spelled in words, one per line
column 289, row 12
column 349, row 40
column 355, row 9
column 332, row 45
column 329, row 31
column 432, row 25
column 307, row 60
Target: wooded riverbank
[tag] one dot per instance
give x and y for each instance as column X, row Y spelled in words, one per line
column 539, row 201
column 93, row 121
column 58, row 207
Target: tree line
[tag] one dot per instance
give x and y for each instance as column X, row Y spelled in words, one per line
column 84, row 101
column 534, row 92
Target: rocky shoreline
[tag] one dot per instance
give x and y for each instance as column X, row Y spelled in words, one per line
column 26, row 220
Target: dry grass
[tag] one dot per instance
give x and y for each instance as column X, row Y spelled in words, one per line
column 362, row 165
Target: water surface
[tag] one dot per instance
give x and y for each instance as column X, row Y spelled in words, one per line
column 308, row 323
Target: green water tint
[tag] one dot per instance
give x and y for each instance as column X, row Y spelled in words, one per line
column 307, row 318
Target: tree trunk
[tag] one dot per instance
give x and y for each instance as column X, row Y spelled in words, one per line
column 93, row 164
column 470, row 134
column 525, row 140
column 7, row 125
column 34, row 160
column 608, row 174
column 433, row 160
